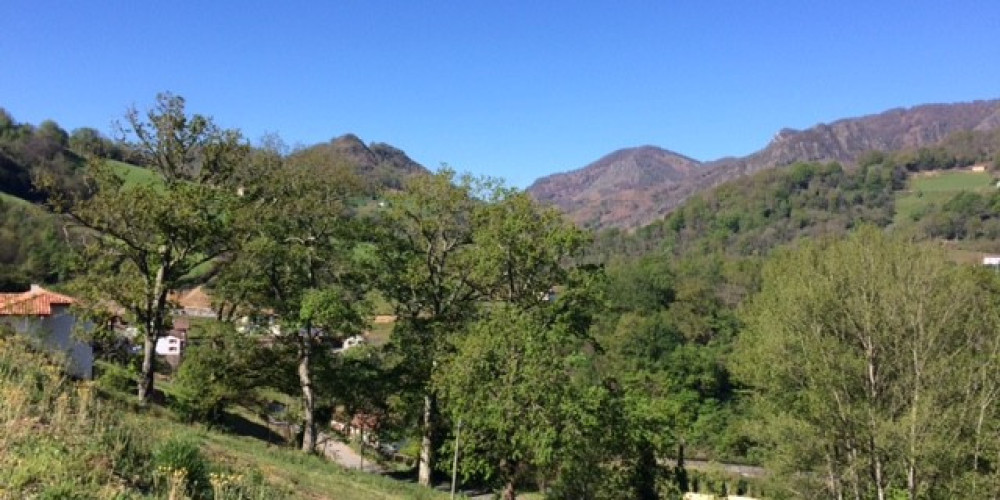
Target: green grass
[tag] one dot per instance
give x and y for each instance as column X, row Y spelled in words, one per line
column 14, row 200
column 936, row 188
column 64, row 439
column 134, row 174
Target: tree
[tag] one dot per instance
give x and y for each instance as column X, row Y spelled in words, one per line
column 865, row 357
column 302, row 255
column 223, row 368
column 429, row 272
column 514, row 381
column 146, row 241
column 519, row 377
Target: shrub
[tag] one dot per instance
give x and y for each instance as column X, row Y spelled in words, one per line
column 114, row 378
column 178, row 463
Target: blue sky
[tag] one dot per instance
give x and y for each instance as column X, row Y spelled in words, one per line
column 506, row 88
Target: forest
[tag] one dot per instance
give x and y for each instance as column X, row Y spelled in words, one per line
column 788, row 319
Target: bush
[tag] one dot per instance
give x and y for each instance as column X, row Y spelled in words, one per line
column 112, row 378
column 215, row 373
column 178, row 464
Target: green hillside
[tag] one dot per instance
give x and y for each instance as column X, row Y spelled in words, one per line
column 13, row 200
column 134, row 174
column 934, row 188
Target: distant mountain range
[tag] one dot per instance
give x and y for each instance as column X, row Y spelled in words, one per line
column 634, row 186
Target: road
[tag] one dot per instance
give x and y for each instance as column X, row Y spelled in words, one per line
column 338, row 451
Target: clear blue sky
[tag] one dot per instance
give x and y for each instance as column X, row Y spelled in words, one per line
column 516, row 89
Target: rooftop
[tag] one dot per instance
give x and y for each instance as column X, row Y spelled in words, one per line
column 35, row 302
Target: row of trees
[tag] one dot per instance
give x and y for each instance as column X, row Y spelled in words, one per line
column 469, row 267
column 848, row 349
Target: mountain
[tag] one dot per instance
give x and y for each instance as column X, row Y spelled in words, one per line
column 632, row 187
column 614, row 187
column 378, row 163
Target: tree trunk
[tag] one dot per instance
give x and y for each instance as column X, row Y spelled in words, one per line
column 155, row 306
column 427, row 442
column 509, row 490
column 148, row 368
column 308, row 398
column 877, row 472
column 509, row 471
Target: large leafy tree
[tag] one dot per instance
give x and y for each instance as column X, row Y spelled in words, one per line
column 519, row 377
column 429, row 273
column 517, row 382
column 868, row 361
column 300, row 260
column 146, row 240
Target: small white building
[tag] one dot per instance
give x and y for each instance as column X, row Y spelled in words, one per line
column 991, row 260
column 169, row 346
column 46, row 316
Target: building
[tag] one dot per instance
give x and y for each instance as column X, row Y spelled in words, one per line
column 991, row 260
column 46, row 316
column 172, row 345
column 194, row 302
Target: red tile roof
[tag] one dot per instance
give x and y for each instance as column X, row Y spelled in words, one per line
column 35, row 302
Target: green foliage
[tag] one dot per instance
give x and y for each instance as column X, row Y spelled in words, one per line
column 872, row 362
column 752, row 215
column 115, row 379
column 222, row 368
column 521, row 388
column 29, row 154
column 57, row 437
column 144, row 240
column 182, row 457
column 33, row 248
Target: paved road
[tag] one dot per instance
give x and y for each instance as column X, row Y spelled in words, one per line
column 735, row 469
column 340, row 452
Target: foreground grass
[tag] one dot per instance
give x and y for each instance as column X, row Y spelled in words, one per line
column 72, row 440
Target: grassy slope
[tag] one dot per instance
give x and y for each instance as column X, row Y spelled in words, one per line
column 287, row 469
column 14, row 200
column 134, row 174
column 61, row 439
column 936, row 188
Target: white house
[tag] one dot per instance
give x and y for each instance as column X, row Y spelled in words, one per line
column 169, row 346
column 46, row 316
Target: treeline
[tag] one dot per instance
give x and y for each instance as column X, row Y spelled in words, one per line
column 548, row 359
column 752, row 215
column 33, row 247
column 47, row 152
column 871, row 364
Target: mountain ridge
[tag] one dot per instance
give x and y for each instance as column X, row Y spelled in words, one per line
column 584, row 196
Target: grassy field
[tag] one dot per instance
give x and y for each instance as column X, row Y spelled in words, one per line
column 936, row 188
column 134, row 174
column 13, row 200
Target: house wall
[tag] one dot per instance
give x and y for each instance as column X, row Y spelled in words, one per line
column 56, row 333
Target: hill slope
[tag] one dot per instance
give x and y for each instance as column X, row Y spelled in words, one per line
column 579, row 195
column 380, row 164
column 613, row 188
